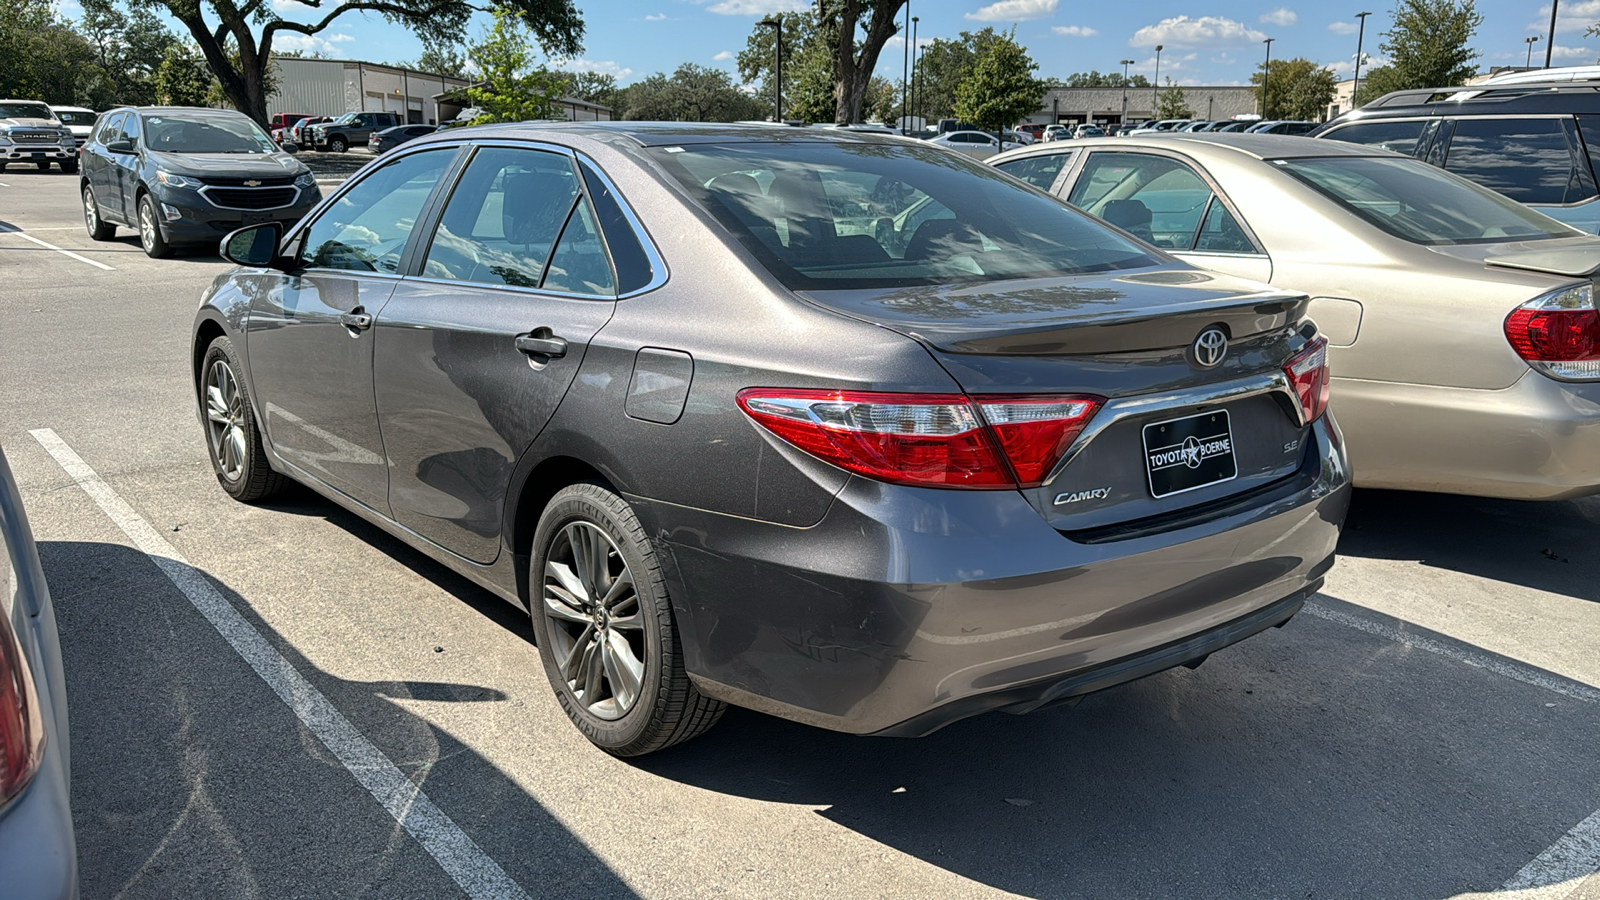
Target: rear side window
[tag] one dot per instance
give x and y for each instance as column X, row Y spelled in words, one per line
column 627, row 253
column 1401, row 137
column 1590, row 128
column 1528, row 160
column 503, row 218
column 1039, row 171
column 1159, row 199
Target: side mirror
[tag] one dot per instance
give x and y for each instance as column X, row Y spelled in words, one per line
column 255, row 246
column 290, row 147
column 120, row 146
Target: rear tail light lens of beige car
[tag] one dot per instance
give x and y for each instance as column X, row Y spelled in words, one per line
column 1559, row 333
column 21, row 724
column 927, row 440
column 1308, row 375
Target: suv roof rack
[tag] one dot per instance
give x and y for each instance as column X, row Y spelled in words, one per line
column 1483, row 92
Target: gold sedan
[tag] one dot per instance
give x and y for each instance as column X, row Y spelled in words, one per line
column 1463, row 331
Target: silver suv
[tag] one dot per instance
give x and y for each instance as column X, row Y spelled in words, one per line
column 30, row 132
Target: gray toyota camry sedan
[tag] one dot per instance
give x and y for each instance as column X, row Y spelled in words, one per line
column 838, row 427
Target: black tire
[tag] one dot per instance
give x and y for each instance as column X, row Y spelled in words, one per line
column 338, row 144
column 242, row 468
column 69, row 166
column 99, row 229
column 149, row 227
column 668, row 709
column 2, row 168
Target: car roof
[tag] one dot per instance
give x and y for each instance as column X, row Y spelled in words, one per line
column 181, row 110
column 1482, row 100
column 670, row 134
column 1207, row 145
column 69, row 108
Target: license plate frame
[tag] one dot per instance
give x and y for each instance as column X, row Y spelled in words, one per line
column 255, row 218
column 1189, row 453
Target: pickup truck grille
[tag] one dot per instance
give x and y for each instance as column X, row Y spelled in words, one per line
column 250, row 198
column 35, row 137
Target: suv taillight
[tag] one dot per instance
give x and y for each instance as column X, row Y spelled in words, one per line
column 927, row 440
column 1308, row 375
column 21, row 727
column 1558, row 333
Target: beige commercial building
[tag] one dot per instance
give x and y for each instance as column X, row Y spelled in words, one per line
column 1113, row 106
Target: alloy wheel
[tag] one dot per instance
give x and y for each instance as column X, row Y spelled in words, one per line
column 147, row 227
column 225, row 419
column 592, row 609
column 91, row 215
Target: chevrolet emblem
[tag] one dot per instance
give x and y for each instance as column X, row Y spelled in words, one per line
column 252, row 183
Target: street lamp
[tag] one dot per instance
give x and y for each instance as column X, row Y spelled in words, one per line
column 905, row 76
column 776, row 24
column 1361, row 32
column 1155, row 91
column 1529, row 41
column 1550, row 45
column 1125, row 64
column 916, row 70
column 1266, row 75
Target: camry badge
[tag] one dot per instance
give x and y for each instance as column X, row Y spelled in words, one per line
column 252, row 183
column 1210, row 347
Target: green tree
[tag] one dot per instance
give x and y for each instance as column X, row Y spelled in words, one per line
column 1427, row 45
column 182, row 79
column 1000, row 91
column 595, row 87
column 442, row 58
column 854, row 32
column 883, row 99
column 128, row 47
column 944, row 65
column 1375, row 83
column 1173, row 102
column 1093, row 79
column 236, row 36
column 1296, row 89
column 802, row 51
column 512, row 88
column 41, row 56
column 692, row 94
column 829, row 53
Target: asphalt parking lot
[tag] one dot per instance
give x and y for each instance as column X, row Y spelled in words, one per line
column 282, row 701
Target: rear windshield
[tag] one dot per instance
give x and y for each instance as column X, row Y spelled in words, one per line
column 25, row 111
column 1422, row 204
column 879, row 215
column 76, row 118
column 206, row 134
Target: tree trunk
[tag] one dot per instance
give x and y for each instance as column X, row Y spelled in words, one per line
column 852, row 76
column 245, row 90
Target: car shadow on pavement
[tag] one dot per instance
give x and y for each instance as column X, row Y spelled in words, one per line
column 1310, row 761
column 1549, row 546
column 192, row 778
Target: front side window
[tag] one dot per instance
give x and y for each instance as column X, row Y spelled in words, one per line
column 366, row 228
column 1422, row 204
column 1156, row 198
column 863, row 215
column 1530, row 160
column 1401, row 137
column 111, row 129
column 1039, row 171
column 129, row 131
column 503, row 218
column 70, row 117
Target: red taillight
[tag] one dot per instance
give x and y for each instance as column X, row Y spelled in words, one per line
column 929, row 440
column 1308, row 375
column 1559, row 333
column 21, row 728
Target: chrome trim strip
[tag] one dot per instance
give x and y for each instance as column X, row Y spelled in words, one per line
column 1117, row 410
column 277, row 187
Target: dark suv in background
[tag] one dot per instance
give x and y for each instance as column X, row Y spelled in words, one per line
column 1537, row 143
column 349, row 130
column 182, row 175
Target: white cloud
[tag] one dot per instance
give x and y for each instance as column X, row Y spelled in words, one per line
column 1074, row 31
column 1206, row 31
column 1346, row 68
column 656, row 17
column 1572, row 16
column 755, row 7
column 606, row 66
column 308, row 43
column 723, row 56
column 341, row 38
column 1568, row 51
column 1280, row 16
column 1016, row 10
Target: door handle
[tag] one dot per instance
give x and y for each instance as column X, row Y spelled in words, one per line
column 548, row 347
column 355, row 321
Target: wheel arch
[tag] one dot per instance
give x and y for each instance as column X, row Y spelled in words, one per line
column 541, row 483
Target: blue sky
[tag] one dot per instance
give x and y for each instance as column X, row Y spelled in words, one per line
column 1206, row 41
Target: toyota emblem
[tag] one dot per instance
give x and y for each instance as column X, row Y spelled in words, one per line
column 1210, row 347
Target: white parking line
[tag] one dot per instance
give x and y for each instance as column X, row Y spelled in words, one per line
column 1557, row 872
column 48, row 246
column 452, row 848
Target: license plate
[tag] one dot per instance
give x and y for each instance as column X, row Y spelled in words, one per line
column 256, row 218
column 1189, row 453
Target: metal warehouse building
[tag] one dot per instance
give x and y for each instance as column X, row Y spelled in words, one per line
column 1105, row 106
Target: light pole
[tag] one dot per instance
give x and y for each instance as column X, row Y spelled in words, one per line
column 905, row 75
column 1125, row 64
column 1157, row 89
column 1361, row 32
column 1530, row 42
column 776, row 24
column 1550, row 45
column 916, row 70
column 1266, row 75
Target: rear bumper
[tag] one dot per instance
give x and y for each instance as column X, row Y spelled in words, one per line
column 1538, row 439
column 906, row 609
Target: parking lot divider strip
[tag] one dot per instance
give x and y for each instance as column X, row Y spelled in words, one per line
column 1496, row 664
column 1557, row 871
column 49, row 246
column 459, row 855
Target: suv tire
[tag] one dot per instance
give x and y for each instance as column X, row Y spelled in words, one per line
column 69, row 166
column 600, row 608
column 99, row 229
column 149, row 225
column 338, row 144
